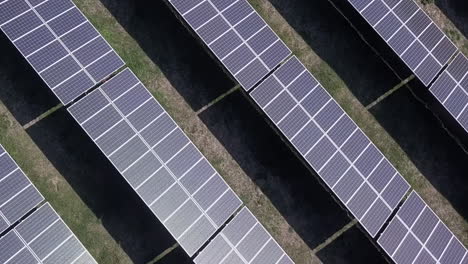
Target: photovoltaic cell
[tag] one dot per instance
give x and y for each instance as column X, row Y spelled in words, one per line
column 417, row 235
column 410, row 33
column 346, row 160
column 451, row 89
column 18, row 196
column 157, row 159
column 237, row 35
column 60, row 44
column 43, row 237
column 243, row 240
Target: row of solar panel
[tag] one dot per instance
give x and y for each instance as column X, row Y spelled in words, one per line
column 243, row 240
column 451, row 89
column 361, row 177
column 237, row 36
column 140, row 139
column 416, row 235
column 356, row 171
column 157, row 159
column 60, row 44
column 18, row 196
column 410, row 33
column 43, row 237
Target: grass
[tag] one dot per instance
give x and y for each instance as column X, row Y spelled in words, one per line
column 337, row 88
column 170, row 99
column 58, row 192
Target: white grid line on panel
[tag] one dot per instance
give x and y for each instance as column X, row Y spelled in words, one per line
column 15, row 195
column 25, row 34
column 43, row 231
column 162, row 194
column 164, row 137
column 261, row 248
column 57, row 247
column 163, row 163
column 8, row 175
column 16, row 254
column 192, row 8
column 54, row 63
column 79, row 256
column 107, row 130
column 338, row 148
column 86, row 43
column 13, row 18
column 75, row 27
column 203, row 185
column 134, row 110
column 404, row 25
column 100, row 57
column 191, row 167
column 149, row 178
column 66, row 226
column 60, row 41
column 27, row 246
column 217, row 199
column 176, row 210
column 237, row 33
column 133, row 163
column 53, row 18
column 179, row 151
column 190, row 226
column 123, row 144
column 152, row 121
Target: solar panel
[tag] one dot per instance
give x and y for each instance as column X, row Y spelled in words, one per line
column 18, row 195
column 451, row 89
column 43, row 237
column 243, row 240
column 157, row 159
column 237, row 36
column 410, row 33
column 417, row 235
column 327, row 138
column 60, row 44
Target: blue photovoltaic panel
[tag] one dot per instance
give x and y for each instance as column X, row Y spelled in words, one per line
column 157, row 159
column 237, row 35
column 417, row 235
column 43, row 237
column 60, row 44
column 18, row 196
column 451, row 89
column 410, row 33
column 342, row 155
column 243, row 240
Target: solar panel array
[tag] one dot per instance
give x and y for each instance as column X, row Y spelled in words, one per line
column 157, row 159
column 243, row 240
column 43, row 238
column 410, row 33
column 342, row 155
column 237, row 35
column 451, row 89
column 18, row 196
column 60, row 44
column 417, row 235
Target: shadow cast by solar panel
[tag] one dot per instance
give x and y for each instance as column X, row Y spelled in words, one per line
column 170, row 46
column 21, row 89
column 439, row 158
column 343, row 250
column 332, row 38
column 308, row 208
column 457, row 12
column 122, row 213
